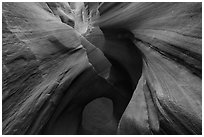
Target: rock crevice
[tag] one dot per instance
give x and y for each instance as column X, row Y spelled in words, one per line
column 101, row 68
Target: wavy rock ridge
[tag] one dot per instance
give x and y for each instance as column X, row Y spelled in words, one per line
column 101, row 68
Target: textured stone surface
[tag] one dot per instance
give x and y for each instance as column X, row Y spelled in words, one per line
column 41, row 58
column 169, row 35
column 138, row 70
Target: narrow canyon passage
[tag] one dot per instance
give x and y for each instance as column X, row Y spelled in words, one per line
column 101, row 68
column 124, row 74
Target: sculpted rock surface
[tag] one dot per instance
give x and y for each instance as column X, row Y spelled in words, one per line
column 101, row 68
column 41, row 57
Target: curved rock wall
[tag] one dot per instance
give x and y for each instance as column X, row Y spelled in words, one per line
column 144, row 57
column 170, row 37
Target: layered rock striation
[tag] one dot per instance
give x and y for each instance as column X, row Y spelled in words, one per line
column 101, row 68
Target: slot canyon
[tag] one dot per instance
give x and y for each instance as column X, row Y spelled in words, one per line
column 101, row 68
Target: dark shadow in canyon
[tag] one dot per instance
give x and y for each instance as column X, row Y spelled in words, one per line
column 126, row 69
column 125, row 72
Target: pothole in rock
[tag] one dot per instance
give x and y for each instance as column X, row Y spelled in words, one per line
column 98, row 117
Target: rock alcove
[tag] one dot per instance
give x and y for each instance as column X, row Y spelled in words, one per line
column 101, row 68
